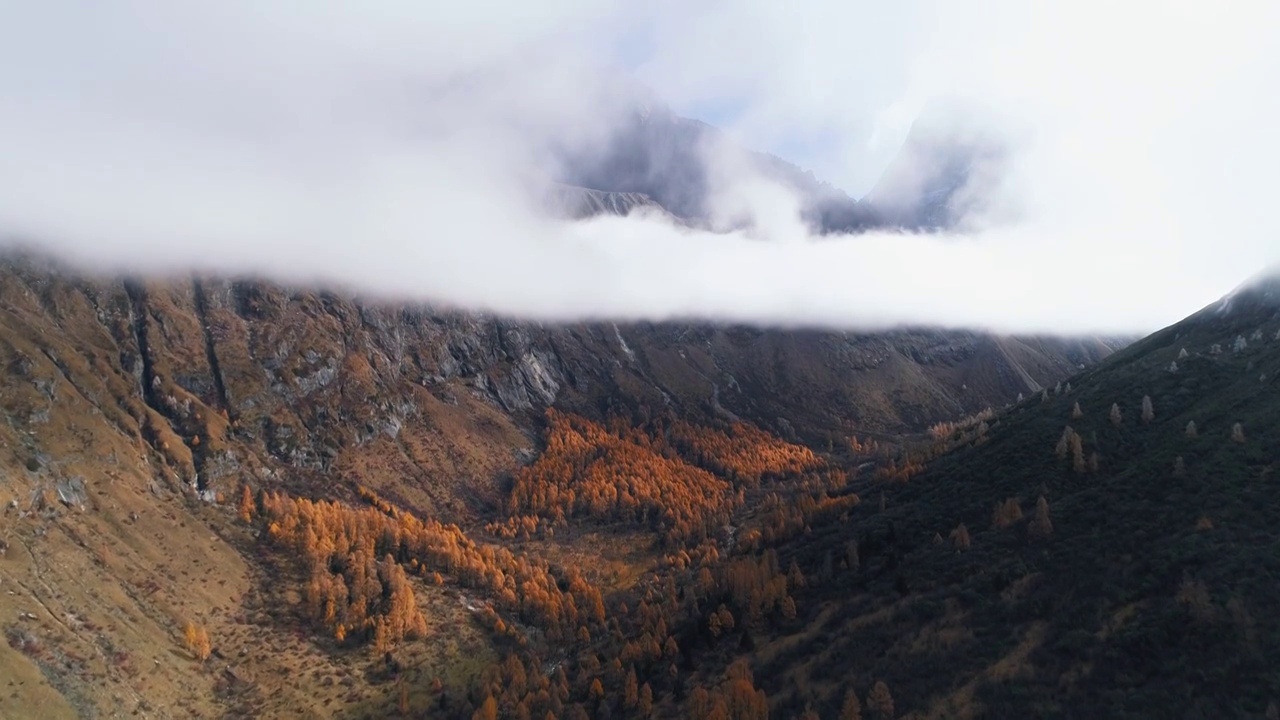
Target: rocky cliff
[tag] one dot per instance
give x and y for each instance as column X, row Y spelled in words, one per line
column 218, row 372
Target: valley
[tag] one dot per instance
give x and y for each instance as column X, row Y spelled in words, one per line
column 230, row 499
column 605, row 465
column 638, row 361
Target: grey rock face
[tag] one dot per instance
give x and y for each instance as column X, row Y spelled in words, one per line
column 295, row 375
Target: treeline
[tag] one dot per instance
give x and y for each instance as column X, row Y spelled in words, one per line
column 683, row 480
column 735, row 698
column 617, row 670
column 589, row 471
column 522, row 527
column 358, row 558
column 782, row 519
column 743, row 453
column 895, row 471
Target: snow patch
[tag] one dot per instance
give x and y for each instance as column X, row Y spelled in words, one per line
column 626, row 349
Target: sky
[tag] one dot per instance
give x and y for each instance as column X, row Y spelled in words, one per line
column 389, row 147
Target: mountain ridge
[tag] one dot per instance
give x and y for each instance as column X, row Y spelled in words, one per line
column 937, row 178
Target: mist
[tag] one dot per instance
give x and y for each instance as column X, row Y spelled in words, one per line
column 397, row 149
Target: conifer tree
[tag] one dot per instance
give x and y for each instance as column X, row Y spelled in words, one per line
column 1191, row 429
column 1064, row 443
column 246, row 506
column 795, row 578
column 1006, row 513
column 488, row 710
column 203, row 646
column 1148, row 410
column 196, row 639
column 852, row 708
column 1237, row 433
column 880, row 702
column 1116, row 417
column 1041, row 527
column 1076, row 412
column 726, row 618
column 630, row 690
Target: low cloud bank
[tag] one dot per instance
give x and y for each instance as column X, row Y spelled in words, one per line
column 399, row 151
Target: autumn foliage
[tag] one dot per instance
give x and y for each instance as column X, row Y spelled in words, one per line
column 684, row 481
column 196, row 639
column 1006, row 513
column 355, row 559
column 589, row 471
column 736, row 697
column 743, row 453
column 718, row 577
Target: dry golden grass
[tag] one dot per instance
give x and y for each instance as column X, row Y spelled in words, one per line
column 95, row 596
column 444, row 466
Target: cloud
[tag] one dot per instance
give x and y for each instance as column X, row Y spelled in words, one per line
column 392, row 147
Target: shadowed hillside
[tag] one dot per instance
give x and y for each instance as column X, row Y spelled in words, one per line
column 1124, row 567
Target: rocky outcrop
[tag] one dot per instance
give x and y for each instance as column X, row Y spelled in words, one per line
column 222, row 376
column 578, row 203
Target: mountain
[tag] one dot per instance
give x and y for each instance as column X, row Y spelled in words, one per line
column 665, row 157
column 140, row 413
column 1115, row 561
column 948, row 168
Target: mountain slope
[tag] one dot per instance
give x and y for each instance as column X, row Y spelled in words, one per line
column 665, row 157
column 278, row 358
column 1153, row 594
column 948, row 168
column 134, row 412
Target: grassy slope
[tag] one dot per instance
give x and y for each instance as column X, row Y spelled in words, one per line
column 93, row 595
column 1087, row 623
